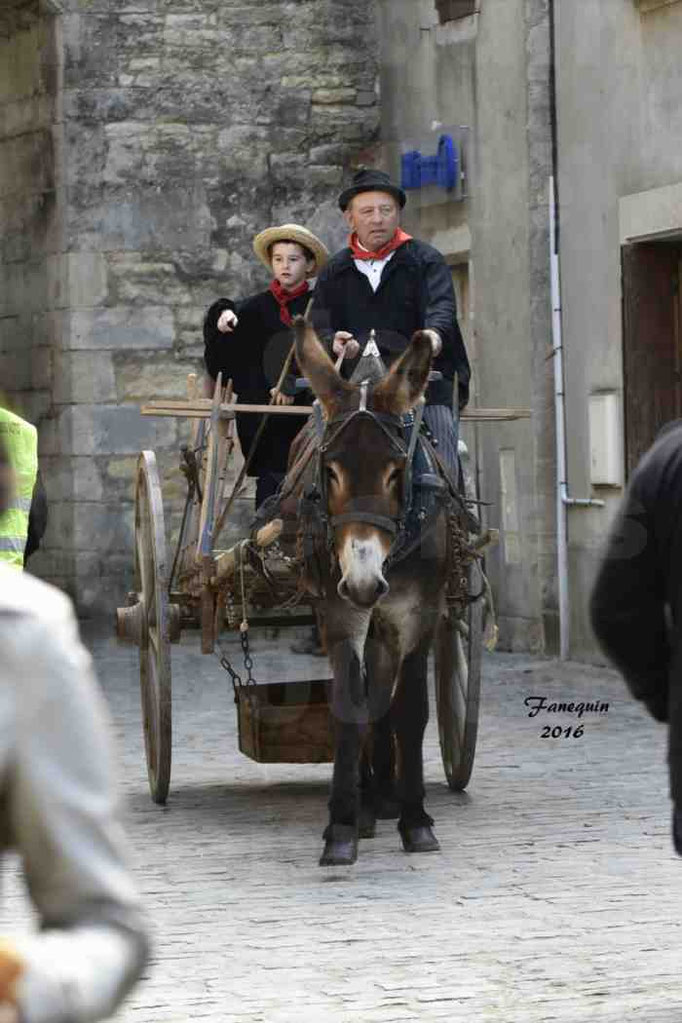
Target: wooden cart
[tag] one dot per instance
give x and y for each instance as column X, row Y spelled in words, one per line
column 281, row 721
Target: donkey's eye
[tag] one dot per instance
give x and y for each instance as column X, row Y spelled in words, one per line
column 331, row 474
column 393, row 477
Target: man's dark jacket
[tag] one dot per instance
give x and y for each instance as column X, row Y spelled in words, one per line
column 636, row 604
column 415, row 291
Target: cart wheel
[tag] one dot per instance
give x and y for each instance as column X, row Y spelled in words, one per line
column 457, row 651
column 155, row 623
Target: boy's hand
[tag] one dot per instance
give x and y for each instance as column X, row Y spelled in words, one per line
column 227, row 321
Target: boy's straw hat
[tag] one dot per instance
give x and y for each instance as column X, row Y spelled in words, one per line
column 290, row 233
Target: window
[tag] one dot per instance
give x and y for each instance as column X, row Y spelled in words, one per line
column 451, row 10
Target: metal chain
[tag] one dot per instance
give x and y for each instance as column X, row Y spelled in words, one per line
column 235, row 677
column 243, row 635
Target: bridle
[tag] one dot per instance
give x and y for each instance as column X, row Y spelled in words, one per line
column 393, row 427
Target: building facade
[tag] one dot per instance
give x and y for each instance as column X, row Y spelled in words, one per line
column 144, row 142
column 481, row 72
column 142, row 146
column 619, row 119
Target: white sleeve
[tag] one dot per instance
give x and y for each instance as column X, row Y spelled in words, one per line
column 63, row 821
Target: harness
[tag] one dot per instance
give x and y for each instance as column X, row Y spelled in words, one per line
column 424, row 492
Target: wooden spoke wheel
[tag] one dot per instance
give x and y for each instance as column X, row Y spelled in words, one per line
column 154, row 618
column 457, row 654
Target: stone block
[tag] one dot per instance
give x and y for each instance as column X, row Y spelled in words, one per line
column 15, row 371
column 288, row 169
column 57, row 275
column 117, row 327
column 70, row 478
column 112, row 429
column 83, row 377
column 159, row 219
column 14, row 334
column 293, row 108
column 325, row 177
column 118, row 477
column 250, row 39
column 139, row 281
column 329, row 154
column 42, row 372
column 87, row 272
column 140, row 380
column 102, row 528
column 344, row 123
column 325, row 97
column 244, row 147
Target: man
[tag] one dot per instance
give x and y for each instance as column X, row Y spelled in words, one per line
column 388, row 281
column 58, row 812
column 23, row 522
column 636, row 604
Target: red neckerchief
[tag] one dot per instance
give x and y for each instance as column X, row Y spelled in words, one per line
column 398, row 239
column 283, row 297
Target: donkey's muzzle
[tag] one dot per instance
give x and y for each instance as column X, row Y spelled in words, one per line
column 364, row 595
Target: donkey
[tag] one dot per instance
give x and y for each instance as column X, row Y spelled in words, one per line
column 380, row 611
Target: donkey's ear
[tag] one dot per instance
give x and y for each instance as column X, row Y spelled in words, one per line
column 316, row 365
column 407, row 378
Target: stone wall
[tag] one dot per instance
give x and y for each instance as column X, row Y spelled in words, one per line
column 30, row 221
column 188, row 127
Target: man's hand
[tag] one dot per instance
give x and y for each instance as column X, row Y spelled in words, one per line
column 435, row 339
column 277, row 399
column 345, row 342
column 227, row 321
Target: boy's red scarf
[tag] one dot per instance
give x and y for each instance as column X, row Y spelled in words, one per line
column 283, row 297
column 398, row 239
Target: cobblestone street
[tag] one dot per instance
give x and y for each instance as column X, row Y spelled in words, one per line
column 556, row 896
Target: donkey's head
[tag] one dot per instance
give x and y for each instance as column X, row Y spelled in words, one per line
column 363, row 458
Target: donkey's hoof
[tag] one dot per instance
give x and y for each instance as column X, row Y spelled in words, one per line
column 420, row 839
column 340, row 846
column 367, row 822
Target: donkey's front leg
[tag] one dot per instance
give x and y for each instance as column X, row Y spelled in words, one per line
column 346, row 633
column 411, row 709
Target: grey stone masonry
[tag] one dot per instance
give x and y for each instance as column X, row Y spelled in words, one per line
column 144, row 143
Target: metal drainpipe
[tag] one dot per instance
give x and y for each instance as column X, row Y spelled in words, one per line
column 563, row 499
column 562, row 496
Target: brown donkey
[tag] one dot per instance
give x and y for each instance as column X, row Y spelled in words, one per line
column 382, row 597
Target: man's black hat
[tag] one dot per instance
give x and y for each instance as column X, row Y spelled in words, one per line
column 369, row 180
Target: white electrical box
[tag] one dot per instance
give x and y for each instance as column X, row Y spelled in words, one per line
column 606, row 440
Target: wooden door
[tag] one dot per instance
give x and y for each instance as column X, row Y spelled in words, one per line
column 651, row 343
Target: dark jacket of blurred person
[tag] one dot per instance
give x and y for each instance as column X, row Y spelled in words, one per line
column 58, row 810
column 636, row 603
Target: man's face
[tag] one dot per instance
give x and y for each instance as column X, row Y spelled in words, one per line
column 374, row 216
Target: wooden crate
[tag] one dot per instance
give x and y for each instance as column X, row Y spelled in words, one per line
column 285, row 722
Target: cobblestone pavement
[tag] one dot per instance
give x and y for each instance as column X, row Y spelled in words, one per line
column 556, row 895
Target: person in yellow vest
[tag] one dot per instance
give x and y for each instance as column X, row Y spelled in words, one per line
column 23, row 523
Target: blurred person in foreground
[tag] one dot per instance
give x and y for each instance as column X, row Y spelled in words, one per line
column 59, row 812
column 636, row 603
